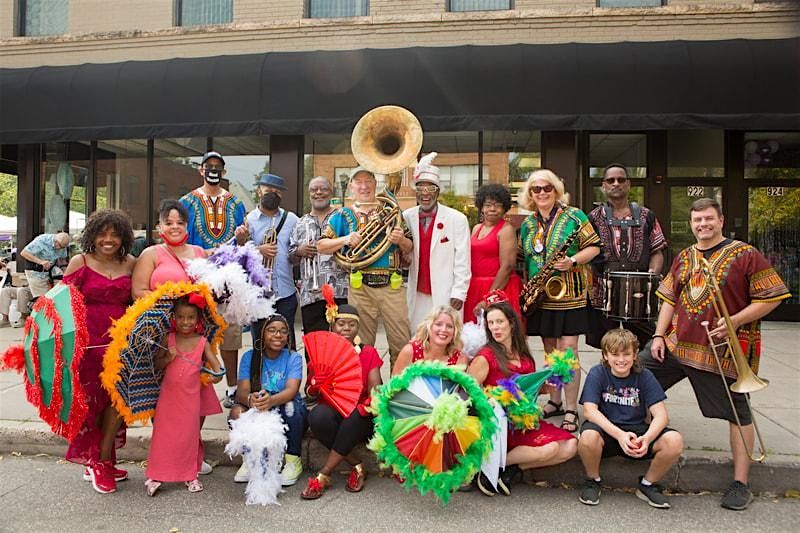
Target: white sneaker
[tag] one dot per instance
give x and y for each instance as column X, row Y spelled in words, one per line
column 242, row 475
column 206, row 469
column 292, row 470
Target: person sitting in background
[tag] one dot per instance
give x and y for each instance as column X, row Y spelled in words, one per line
column 339, row 434
column 617, row 397
column 11, row 292
column 438, row 338
column 46, row 251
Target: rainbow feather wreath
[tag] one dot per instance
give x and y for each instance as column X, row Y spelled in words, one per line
column 460, row 408
column 518, row 394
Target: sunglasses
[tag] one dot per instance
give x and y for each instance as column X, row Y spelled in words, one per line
column 611, row 181
column 427, row 189
column 536, row 189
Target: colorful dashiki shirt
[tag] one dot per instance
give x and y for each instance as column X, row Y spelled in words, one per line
column 212, row 220
column 743, row 275
column 541, row 239
column 345, row 221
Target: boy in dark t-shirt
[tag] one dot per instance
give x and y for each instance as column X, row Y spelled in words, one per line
column 616, row 398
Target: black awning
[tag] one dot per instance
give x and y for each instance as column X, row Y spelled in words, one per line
column 736, row 84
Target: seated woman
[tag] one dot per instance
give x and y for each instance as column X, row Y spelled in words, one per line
column 507, row 353
column 340, row 435
column 269, row 378
column 438, row 338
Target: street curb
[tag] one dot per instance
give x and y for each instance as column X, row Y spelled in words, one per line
column 697, row 471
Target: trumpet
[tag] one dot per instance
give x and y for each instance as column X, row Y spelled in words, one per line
column 270, row 237
column 747, row 381
column 310, row 265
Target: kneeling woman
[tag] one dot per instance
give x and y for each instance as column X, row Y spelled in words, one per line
column 340, row 435
column 269, row 378
column 506, row 353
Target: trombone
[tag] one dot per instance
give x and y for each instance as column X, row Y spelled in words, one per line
column 747, row 381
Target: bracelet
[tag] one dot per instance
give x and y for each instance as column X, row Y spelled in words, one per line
column 656, row 336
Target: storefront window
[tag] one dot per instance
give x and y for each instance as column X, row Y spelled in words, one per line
column 772, row 155
column 246, row 158
column 43, row 17
column 696, row 154
column 175, row 163
column 774, row 228
column 508, row 157
column 620, row 148
column 681, row 198
column 121, row 179
column 65, row 169
column 459, row 170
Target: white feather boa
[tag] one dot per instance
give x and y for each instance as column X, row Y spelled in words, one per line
column 473, row 336
column 260, row 438
column 241, row 302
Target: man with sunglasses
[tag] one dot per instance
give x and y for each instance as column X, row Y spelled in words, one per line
column 632, row 242
column 440, row 260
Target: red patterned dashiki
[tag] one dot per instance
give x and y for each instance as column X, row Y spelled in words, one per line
column 743, row 275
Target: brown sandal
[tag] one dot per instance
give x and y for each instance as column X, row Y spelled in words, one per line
column 355, row 482
column 316, row 487
column 566, row 424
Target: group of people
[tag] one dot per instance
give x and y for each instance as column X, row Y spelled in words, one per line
column 454, row 275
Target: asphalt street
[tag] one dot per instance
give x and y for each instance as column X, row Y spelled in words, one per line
column 44, row 493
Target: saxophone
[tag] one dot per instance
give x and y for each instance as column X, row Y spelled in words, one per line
column 547, row 281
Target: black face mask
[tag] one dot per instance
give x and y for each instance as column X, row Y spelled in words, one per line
column 212, row 175
column 271, row 201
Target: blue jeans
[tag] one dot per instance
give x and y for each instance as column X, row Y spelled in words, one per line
column 296, row 424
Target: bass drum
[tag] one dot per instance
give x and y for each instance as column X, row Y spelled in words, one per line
column 631, row 296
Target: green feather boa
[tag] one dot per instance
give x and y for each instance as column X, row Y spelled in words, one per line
column 442, row 484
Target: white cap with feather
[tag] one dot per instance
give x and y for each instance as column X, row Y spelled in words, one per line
column 426, row 171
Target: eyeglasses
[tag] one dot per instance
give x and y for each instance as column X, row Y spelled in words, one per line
column 274, row 331
column 536, row 189
column 619, row 180
column 427, row 189
column 317, row 190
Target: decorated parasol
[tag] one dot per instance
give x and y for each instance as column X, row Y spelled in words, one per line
column 336, row 369
column 55, row 338
column 518, row 393
column 433, row 426
column 129, row 375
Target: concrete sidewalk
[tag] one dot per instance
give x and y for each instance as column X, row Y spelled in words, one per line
column 705, row 465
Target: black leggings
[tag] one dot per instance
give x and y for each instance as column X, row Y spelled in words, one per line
column 337, row 433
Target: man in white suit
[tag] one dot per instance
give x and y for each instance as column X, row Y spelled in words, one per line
column 440, row 262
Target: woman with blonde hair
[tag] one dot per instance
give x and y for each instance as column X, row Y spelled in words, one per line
column 558, row 319
column 438, row 338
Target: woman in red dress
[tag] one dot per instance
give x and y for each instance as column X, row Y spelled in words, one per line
column 493, row 249
column 438, row 338
column 506, row 353
column 103, row 276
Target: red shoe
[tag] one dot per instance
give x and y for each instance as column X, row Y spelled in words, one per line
column 102, row 477
column 119, row 474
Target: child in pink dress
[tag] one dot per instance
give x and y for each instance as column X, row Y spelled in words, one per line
column 174, row 454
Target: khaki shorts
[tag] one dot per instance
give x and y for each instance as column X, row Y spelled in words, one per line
column 232, row 339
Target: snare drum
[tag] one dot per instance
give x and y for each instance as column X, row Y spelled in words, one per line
column 631, row 295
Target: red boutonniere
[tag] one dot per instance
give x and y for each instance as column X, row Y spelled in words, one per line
column 444, row 239
column 439, row 226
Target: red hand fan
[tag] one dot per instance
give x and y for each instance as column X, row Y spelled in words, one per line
column 334, row 360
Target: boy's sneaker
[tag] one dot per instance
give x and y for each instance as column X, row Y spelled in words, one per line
column 242, row 475
column 292, row 470
column 737, row 496
column 652, row 494
column 590, row 494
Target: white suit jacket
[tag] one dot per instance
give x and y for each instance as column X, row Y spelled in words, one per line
column 450, row 257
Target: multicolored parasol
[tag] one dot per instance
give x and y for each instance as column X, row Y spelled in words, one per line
column 336, row 369
column 518, row 393
column 128, row 373
column 55, row 338
column 433, row 426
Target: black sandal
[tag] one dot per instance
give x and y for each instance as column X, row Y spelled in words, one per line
column 556, row 412
column 574, row 424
